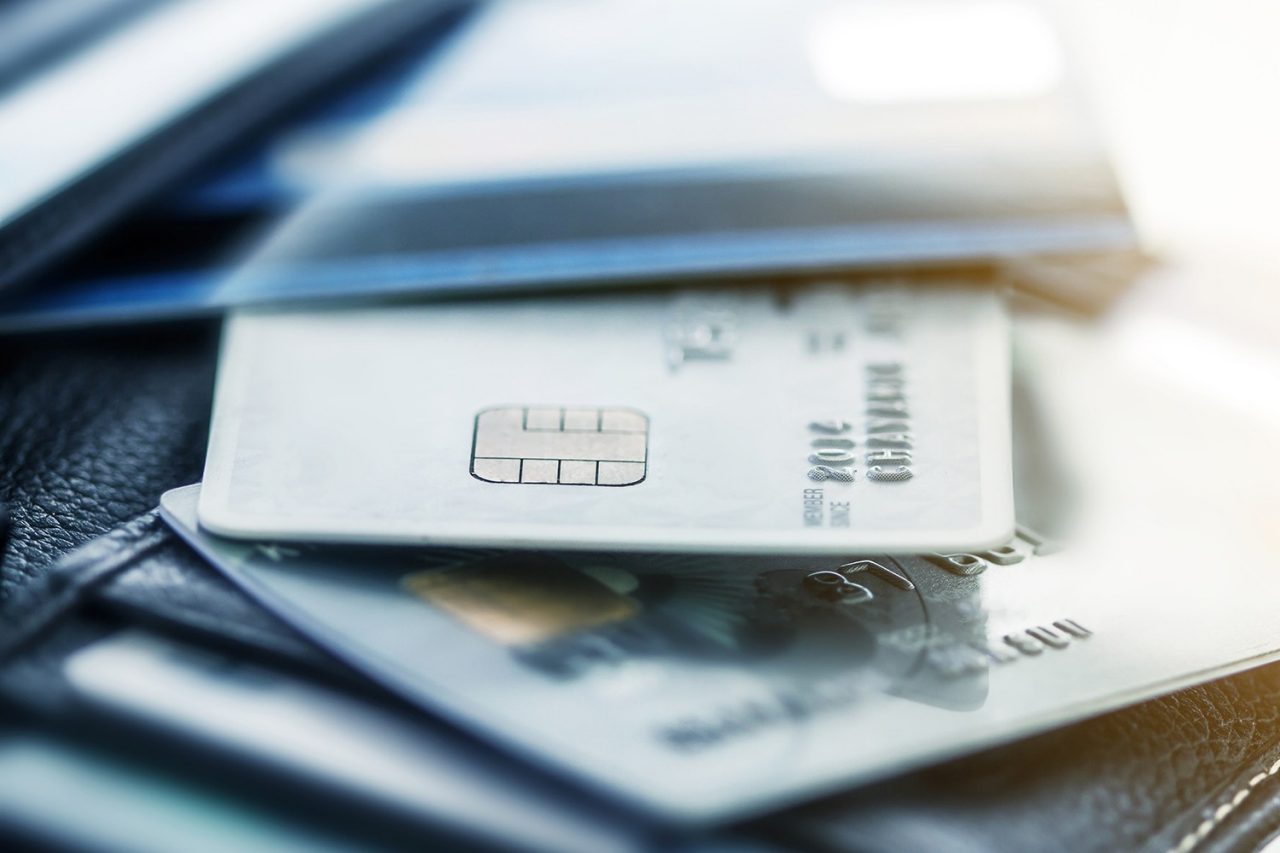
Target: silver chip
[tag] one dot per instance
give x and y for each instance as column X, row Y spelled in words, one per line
column 566, row 445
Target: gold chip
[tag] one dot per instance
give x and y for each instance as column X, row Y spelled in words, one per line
column 517, row 600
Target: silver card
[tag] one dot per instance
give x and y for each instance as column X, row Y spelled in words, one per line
column 705, row 687
column 814, row 419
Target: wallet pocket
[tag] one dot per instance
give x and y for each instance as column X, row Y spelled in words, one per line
column 139, row 574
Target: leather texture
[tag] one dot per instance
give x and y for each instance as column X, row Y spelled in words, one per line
column 1143, row 778
column 94, row 430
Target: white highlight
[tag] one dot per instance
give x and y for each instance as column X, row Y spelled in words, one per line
column 893, row 51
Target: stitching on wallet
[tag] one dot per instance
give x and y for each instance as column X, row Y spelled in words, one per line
column 1225, row 807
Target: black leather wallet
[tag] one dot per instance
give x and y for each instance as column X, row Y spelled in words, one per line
column 95, row 429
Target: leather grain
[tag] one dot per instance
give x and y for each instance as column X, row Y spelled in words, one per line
column 94, row 430
column 1141, row 778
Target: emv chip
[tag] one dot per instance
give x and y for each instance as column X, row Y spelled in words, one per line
column 569, row 446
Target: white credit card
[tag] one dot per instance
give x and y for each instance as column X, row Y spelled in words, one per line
column 705, row 687
column 810, row 419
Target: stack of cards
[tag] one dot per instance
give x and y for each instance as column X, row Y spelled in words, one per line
column 657, row 540
column 710, row 552
column 743, row 532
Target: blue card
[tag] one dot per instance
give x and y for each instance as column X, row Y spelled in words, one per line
column 560, row 144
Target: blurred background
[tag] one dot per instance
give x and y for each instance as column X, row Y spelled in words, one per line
column 1112, row 163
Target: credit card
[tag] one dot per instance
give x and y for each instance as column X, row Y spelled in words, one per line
column 696, row 687
column 849, row 136
column 704, row 687
column 815, row 419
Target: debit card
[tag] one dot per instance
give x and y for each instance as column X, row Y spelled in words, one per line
column 705, row 686
column 814, row 419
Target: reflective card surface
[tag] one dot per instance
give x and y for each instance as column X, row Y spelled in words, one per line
column 816, row 418
column 708, row 686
